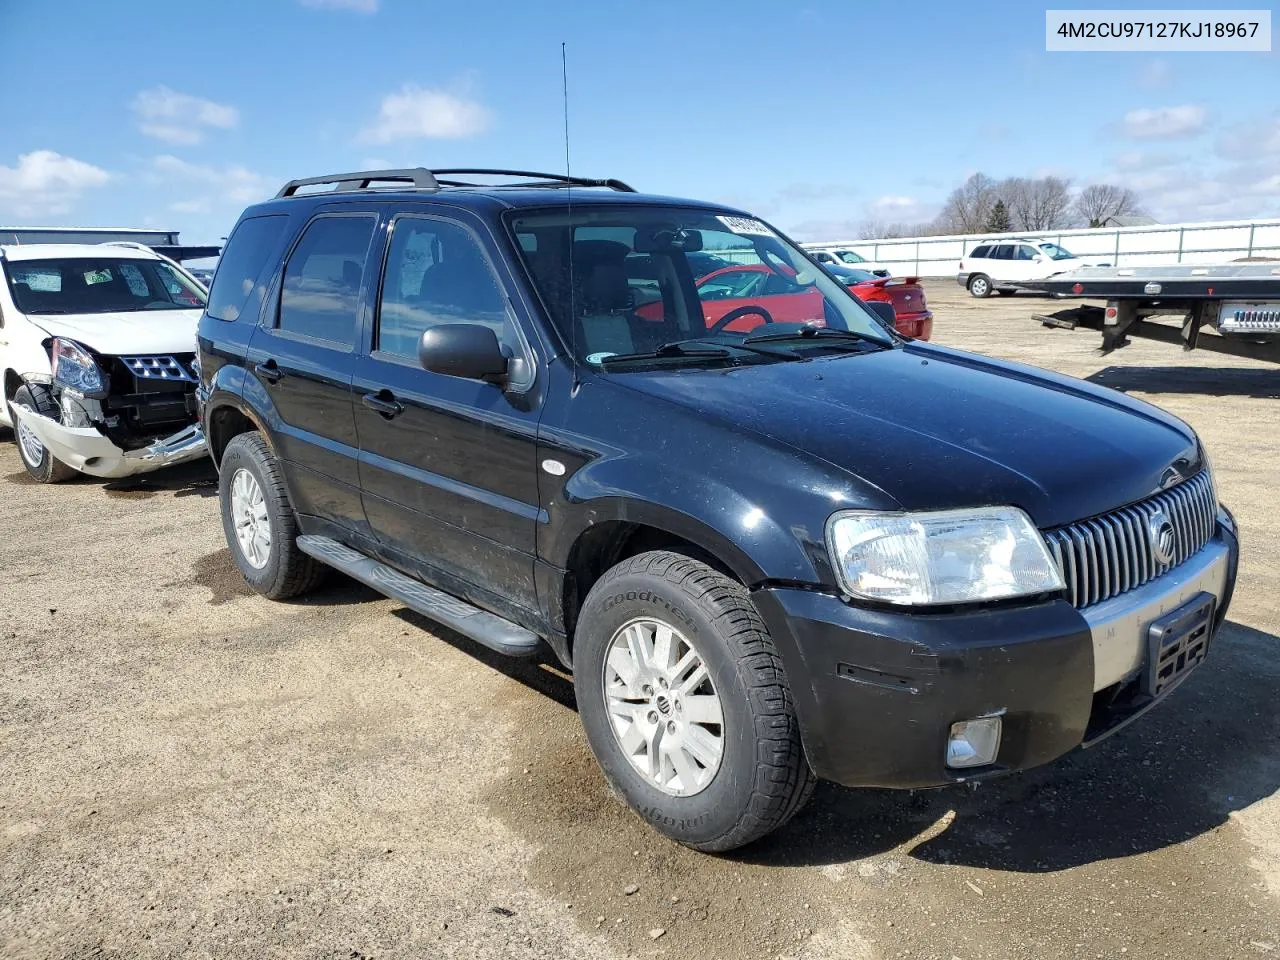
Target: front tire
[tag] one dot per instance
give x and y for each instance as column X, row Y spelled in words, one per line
column 259, row 522
column 980, row 285
column 42, row 466
column 686, row 704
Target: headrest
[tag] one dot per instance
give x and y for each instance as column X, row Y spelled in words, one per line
column 606, row 290
column 588, row 253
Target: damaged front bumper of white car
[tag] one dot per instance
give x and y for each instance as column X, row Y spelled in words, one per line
column 87, row 450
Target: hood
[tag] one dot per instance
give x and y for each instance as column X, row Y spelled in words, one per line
column 125, row 334
column 936, row 428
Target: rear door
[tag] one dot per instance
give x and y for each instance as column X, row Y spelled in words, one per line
column 303, row 358
column 447, row 465
column 1001, row 267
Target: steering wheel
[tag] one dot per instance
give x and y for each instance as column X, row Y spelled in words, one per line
column 740, row 312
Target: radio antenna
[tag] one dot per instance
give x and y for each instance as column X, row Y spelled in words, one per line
column 573, row 313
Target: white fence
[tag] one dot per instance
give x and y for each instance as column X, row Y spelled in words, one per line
column 1154, row 245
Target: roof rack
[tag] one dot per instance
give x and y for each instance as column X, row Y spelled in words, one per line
column 420, row 178
column 540, row 179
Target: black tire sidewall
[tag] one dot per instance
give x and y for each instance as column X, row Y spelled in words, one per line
column 974, row 280
column 25, row 397
column 716, row 810
column 245, row 455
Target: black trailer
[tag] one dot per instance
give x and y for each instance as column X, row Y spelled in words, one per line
column 1231, row 308
column 163, row 242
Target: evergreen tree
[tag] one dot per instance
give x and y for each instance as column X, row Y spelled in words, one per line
column 998, row 219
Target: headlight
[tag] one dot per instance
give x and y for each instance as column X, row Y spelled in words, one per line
column 73, row 367
column 949, row 556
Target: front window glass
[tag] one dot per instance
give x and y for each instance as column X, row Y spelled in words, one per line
column 1056, row 252
column 437, row 273
column 632, row 280
column 1025, row 252
column 848, row 256
column 100, row 285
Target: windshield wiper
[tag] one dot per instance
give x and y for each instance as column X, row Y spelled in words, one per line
column 676, row 348
column 849, row 337
column 710, row 348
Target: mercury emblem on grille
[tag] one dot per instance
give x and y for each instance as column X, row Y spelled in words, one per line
column 1162, row 538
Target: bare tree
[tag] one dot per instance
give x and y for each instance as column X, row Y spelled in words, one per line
column 875, row 229
column 1099, row 202
column 1042, row 204
column 969, row 206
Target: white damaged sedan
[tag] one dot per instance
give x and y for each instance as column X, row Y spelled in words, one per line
column 97, row 349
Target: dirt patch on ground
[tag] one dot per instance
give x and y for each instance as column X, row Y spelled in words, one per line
column 21, row 478
column 218, row 574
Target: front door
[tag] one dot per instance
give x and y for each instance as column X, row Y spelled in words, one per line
column 302, row 359
column 448, row 465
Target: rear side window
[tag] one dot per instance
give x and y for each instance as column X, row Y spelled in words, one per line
column 321, row 289
column 242, row 264
column 1003, row 252
column 981, row 252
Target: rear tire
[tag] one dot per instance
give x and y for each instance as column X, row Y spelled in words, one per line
column 259, row 522
column 713, row 786
column 42, row 466
column 980, row 285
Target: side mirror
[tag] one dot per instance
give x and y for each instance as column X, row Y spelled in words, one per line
column 882, row 310
column 467, row 350
column 1038, row 258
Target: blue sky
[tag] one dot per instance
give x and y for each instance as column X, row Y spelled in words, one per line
column 815, row 115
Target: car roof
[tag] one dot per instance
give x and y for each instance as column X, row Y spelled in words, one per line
column 56, row 251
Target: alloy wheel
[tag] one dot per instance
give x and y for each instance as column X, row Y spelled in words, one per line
column 249, row 514
column 663, row 708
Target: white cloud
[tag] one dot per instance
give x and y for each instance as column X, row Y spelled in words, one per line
column 198, row 205
column 233, row 184
column 1248, row 140
column 414, row 112
column 1155, row 74
column 356, row 6
column 1182, row 192
column 45, row 183
column 1140, row 160
column 1164, row 123
column 180, row 118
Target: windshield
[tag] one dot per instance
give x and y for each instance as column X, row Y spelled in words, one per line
column 99, row 285
column 640, row 278
column 1055, row 252
column 848, row 256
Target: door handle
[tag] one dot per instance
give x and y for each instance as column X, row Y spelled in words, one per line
column 268, row 371
column 384, row 404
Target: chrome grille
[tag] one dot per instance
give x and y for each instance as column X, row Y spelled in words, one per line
column 158, row 368
column 1115, row 552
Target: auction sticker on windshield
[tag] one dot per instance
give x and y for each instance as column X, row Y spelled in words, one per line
column 746, row 226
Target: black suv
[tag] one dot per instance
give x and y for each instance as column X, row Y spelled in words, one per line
column 769, row 548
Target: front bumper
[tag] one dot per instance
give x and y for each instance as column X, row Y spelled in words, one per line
column 87, row 450
column 876, row 691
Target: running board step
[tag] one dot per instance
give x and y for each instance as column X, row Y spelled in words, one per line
column 481, row 626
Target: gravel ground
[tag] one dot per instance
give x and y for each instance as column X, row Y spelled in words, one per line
column 194, row 771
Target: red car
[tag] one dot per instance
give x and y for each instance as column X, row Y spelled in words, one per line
column 725, row 290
